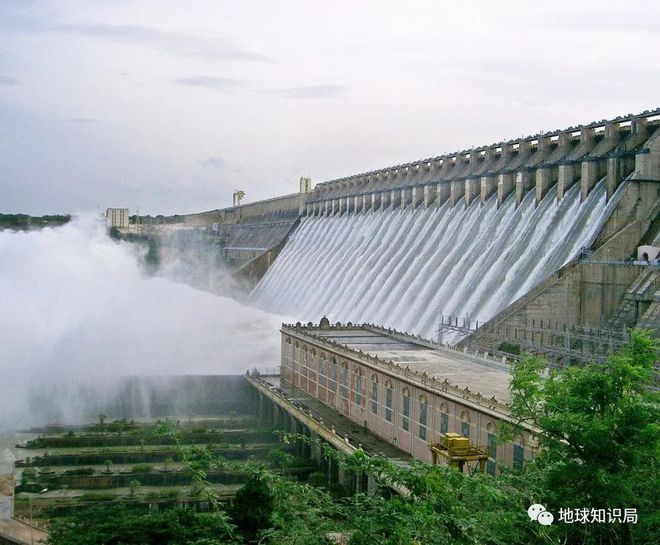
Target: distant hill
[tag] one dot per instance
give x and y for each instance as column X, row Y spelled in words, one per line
column 23, row 222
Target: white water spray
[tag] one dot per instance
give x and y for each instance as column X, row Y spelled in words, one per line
column 78, row 309
column 404, row 268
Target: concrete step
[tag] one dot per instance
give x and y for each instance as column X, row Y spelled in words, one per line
column 651, row 318
column 624, row 317
column 646, row 279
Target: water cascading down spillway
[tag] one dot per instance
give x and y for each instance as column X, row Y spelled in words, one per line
column 404, row 268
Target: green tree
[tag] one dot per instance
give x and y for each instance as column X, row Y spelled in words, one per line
column 598, row 436
column 29, row 475
column 135, row 487
column 252, row 507
column 280, row 459
column 113, row 525
column 107, row 463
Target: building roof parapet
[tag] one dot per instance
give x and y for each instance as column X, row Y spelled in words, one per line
column 423, row 380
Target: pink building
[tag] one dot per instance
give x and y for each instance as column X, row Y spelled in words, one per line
column 404, row 389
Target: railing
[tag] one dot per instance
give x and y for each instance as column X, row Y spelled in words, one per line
column 350, row 442
column 31, row 522
column 458, row 324
column 570, row 343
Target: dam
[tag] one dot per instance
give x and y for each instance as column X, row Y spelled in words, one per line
column 520, row 240
column 406, row 267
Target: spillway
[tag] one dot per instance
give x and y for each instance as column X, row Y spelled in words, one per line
column 404, row 268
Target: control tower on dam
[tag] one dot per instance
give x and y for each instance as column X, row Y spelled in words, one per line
column 539, row 230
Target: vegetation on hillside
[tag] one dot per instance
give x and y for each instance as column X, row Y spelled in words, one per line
column 598, row 436
column 24, row 222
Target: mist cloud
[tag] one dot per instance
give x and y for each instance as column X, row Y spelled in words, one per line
column 310, row 91
column 177, row 43
column 78, row 307
column 80, row 120
column 8, row 80
column 210, row 82
column 215, row 162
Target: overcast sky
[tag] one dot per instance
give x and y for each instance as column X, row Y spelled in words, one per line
column 173, row 105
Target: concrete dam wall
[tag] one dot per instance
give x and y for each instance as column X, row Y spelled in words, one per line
column 580, row 155
column 242, row 234
column 465, row 234
column 404, row 268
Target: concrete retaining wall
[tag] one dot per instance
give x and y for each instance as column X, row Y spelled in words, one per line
column 266, row 211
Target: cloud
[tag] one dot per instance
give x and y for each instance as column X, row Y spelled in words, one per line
column 622, row 21
column 80, row 120
column 177, row 43
column 310, row 92
column 8, row 80
column 210, row 82
column 215, row 162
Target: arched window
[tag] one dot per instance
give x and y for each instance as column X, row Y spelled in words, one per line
column 405, row 422
column 388, row 400
column 312, row 360
column 492, row 449
column 359, row 383
column 518, row 453
column 374, row 394
column 444, row 418
column 304, row 362
column 333, row 374
column 344, row 380
column 296, row 361
column 423, row 407
column 322, row 377
column 465, row 424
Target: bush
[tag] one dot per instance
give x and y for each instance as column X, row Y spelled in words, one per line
column 98, row 496
column 252, row 507
column 317, row 479
column 280, row 459
column 509, row 348
column 79, row 472
column 142, row 468
column 29, row 475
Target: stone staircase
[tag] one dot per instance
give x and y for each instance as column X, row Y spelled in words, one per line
column 651, row 318
column 640, row 306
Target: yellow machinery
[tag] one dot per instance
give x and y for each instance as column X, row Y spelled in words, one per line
column 457, row 450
